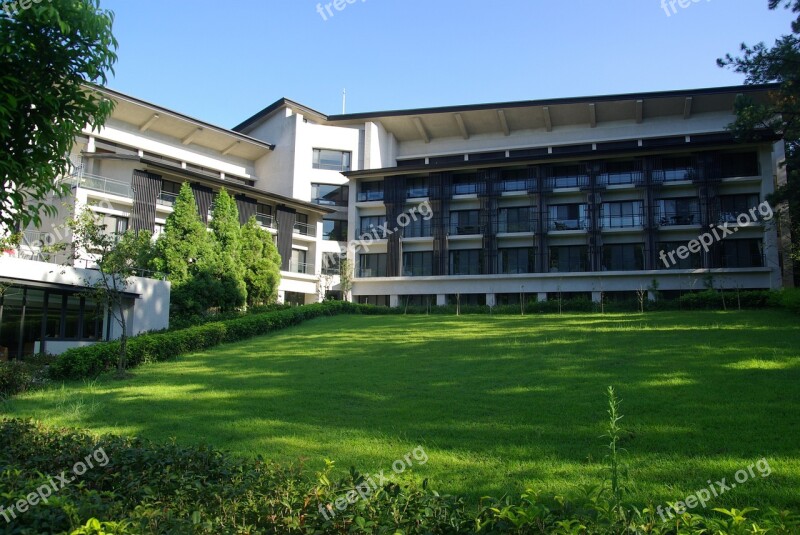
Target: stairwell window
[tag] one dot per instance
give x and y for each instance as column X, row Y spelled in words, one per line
column 332, row 160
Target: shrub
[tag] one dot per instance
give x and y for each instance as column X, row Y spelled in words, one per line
column 17, row 377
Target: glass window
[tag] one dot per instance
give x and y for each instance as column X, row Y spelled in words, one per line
column 568, row 216
column 93, row 315
column 693, row 261
column 72, row 318
column 567, row 259
column 416, row 187
column 331, row 263
column 55, row 303
column 465, row 222
column 742, row 253
column 11, row 320
column 466, row 262
column 738, row 164
column 517, row 260
column 515, row 219
column 298, row 263
column 419, row 228
column 331, row 160
column 732, row 206
column 330, row 195
column 681, row 211
column 623, row 257
column 334, row 230
column 622, row 214
column 418, row 264
column 675, row 169
column 626, row 172
column 373, row 225
column 569, row 176
column 465, row 184
column 372, row 265
column 370, row 191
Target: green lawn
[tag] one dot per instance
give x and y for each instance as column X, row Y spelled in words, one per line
column 499, row 403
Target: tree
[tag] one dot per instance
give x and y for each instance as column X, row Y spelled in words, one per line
column 224, row 264
column 346, row 277
column 49, row 51
column 116, row 258
column 777, row 64
column 261, row 263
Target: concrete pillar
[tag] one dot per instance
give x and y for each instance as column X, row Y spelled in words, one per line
column 441, row 300
column 394, row 301
column 491, row 300
column 541, row 297
column 597, row 297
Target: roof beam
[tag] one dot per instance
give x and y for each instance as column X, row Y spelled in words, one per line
column 230, row 149
column 687, row 108
column 639, row 111
column 150, row 122
column 191, row 137
column 421, row 129
column 548, row 121
column 461, row 125
column 592, row 115
column 501, row 114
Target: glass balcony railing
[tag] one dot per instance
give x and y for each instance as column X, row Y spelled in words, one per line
column 516, row 226
column 304, row 229
column 671, row 219
column 301, row 268
column 265, row 220
column 369, row 196
column 167, row 199
column 568, row 224
column 621, row 221
column 464, row 229
column 102, row 184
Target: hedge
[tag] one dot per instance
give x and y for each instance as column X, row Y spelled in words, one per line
column 90, row 361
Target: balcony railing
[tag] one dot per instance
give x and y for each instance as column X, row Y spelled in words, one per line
column 513, row 185
column 369, row 273
column 621, row 221
column 459, row 229
column 304, row 229
column 102, row 184
column 301, row 267
column 416, row 193
column 578, row 181
column 559, row 224
column 470, row 188
column 369, row 196
column 674, row 175
column 672, row 219
column 626, row 177
column 167, row 199
column 516, row 226
column 416, row 231
column 265, row 220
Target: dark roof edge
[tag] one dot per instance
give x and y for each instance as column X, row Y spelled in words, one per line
column 275, row 106
column 560, row 101
column 244, row 137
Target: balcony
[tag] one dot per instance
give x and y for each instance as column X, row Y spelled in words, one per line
column 464, row 188
column 568, row 224
column 621, row 221
column 513, row 185
column 418, row 231
column 166, row 199
column 101, row 184
column 266, row 220
column 301, row 268
column 577, row 181
column 370, row 273
column 304, row 229
column 683, row 218
column 458, row 229
column 416, row 193
column 677, row 174
column 516, row 227
column 369, row 196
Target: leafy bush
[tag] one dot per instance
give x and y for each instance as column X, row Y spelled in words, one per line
column 20, row 376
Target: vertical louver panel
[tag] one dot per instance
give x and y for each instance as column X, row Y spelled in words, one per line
column 286, row 218
column 146, row 189
column 395, row 200
column 247, row 208
column 203, row 196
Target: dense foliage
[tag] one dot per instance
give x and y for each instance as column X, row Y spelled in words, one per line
column 777, row 64
column 48, row 52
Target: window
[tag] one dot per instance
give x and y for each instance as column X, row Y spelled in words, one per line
column 416, row 187
column 370, row 191
column 569, row 176
column 169, row 192
column 331, row 160
column 330, row 195
column 623, row 257
column 693, row 261
column 331, row 264
column 739, row 164
column 372, row 265
column 515, row 180
column 466, row 262
column 742, row 253
column 675, row 169
column 732, row 206
column 567, row 259
column 515, row 219
column 465, row 222
column 334, row 230
column 465, row 184
column 568, row 217
column 622, row 214
column 419, row 228
column 299, row 264
column 302, row 227
column 264, row 215
column 418, row 264
column 374, row 226
column 621, row 173
column 683, row 211
column 517, row 260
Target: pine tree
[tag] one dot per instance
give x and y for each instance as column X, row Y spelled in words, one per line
column 224, row 265
column 261, row 263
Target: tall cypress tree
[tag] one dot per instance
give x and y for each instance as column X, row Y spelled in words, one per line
column 261, row 263
column 224, row 264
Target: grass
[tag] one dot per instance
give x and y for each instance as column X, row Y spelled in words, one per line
column 499, row 403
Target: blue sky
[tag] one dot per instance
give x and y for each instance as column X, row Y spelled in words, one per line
column 223, row 61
